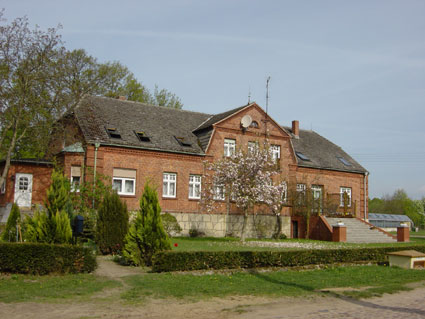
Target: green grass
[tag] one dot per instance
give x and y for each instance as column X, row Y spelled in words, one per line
column 20, row 288
column 279, row 283
column 234, row 244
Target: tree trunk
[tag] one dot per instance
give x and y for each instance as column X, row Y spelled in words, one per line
column 278, row 227
column 245, row 219
column 9, row 155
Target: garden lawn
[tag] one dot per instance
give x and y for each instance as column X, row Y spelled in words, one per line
column 235, row 244
column 20, row 288
column 377, row 279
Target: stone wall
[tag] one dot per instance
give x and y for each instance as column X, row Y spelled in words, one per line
column 220, row 225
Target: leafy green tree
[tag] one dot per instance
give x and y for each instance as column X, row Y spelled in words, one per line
column 9, row 234
column 112, row 224
column 40, row 81
column 146, row 235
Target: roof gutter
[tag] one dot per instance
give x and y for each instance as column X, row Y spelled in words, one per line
column 146, row 149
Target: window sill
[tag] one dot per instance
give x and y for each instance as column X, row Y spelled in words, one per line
column 172, row 198
column 127, row 196
column 194, row 199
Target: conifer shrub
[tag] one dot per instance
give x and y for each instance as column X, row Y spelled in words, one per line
column 42, row 228
column 146, row 235
column 58, row 195
column 171, row 226
column 112, row 224
column 9, row 233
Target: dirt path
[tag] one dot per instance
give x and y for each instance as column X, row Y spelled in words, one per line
column 409, row 304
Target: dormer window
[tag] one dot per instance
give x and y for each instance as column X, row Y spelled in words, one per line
column 302, row 156
column 182, row 141
column 113, row 132
column 142, row 136
column 344, row 161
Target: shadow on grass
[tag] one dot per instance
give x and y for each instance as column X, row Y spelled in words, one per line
column 279, row 282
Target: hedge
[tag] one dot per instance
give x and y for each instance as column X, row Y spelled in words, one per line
column 198, row 260
column 41, row 259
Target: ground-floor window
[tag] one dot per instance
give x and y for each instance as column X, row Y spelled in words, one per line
column 75, row 178
column 195, row 186
column 124, row 181
column 345, row 196
column 169, row 184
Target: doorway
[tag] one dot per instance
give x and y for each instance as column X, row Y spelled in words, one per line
column 294, row 229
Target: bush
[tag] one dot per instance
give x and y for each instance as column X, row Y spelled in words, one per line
column 170, row 224
column 183, row 261
column 9, row 233
column 146, row 235
column 58, row 195
column 41, row 259
column 55, row 229
column 112, row 224
column 194, row 232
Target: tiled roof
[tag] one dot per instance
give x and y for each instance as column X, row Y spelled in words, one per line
column 160, row 124
column 322, row 153
column 217, row 118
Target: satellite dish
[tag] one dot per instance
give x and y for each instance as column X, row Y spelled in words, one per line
column 246, row 121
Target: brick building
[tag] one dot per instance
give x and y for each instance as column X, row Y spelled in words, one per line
column 134, row 142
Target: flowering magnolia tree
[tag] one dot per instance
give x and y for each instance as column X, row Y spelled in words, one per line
column 245, row 178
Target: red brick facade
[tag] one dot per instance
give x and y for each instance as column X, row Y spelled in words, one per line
column 151, row 165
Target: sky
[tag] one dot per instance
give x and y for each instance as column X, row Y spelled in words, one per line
column 353, row 71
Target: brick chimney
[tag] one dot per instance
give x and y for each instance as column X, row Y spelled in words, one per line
column 296, row 128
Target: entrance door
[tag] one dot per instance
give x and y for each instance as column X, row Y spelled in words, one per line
column 23, row 189
column 294, row 229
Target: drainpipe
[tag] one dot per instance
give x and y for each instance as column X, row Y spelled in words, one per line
column 96, row 147
column 365, row 195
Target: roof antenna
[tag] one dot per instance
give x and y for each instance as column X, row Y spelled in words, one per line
column 267, row 95
column 249, row 94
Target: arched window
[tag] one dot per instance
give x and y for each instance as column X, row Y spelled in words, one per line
column 254, row 124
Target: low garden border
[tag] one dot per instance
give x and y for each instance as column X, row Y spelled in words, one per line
column 200, row 260
column 41, row 259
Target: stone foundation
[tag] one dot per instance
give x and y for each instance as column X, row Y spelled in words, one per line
column 217, row 225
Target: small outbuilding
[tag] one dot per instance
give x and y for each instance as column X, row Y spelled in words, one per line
column 390, row 222
column 408, row 259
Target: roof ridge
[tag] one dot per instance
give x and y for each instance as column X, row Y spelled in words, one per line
column 147, row 104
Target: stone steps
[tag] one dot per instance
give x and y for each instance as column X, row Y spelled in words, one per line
column 360, row 232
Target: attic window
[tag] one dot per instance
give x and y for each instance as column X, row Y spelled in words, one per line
column 142, row 136
column 302, row 156
column 182, row 142
column 254, row 124
column 344, row 161
column 113, row 132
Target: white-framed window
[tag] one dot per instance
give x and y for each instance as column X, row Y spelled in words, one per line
column 229, row 147
column 285, row 192
column 169, row 185
column 124, row 181
column 301, row 193
column 342, row 191
column 252, row 147
column 194, row 186
column 219, row 192
column 3, row 188
column 275, row 152
column 317, row 197
column 75, row 178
